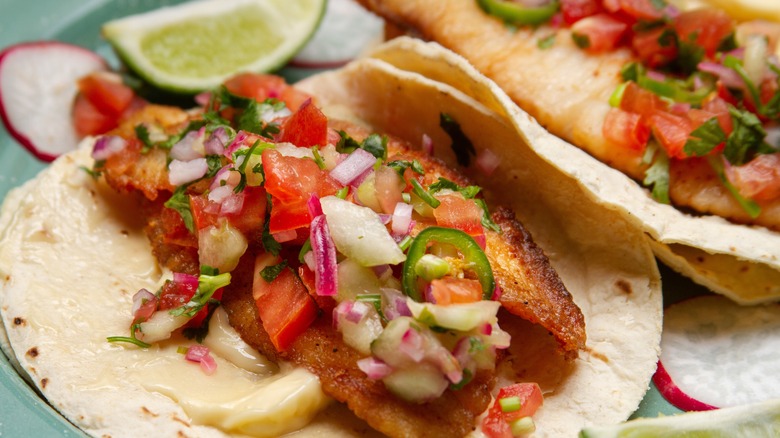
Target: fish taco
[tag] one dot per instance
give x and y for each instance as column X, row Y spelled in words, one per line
column 678, row 136
column 318, row 262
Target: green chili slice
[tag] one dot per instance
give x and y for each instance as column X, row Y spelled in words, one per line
column 517, row 13
column 464, row 243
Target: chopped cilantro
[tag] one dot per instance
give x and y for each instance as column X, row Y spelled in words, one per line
column 689, row 54
column 746, row 139
column 95, row 174
column 180, row 202
column 400, row 166
column 468, row 192
column 582, row 41
column 657, row 175
column 705, row 138
column 200, row 333
column 207, row 285
column 346, row 144
column 632, row 71
column 418, row 190
column 269, row 243
column 546, row 42
column 318, row 158
column 487, row 222
column 461, row 145
column 376, row 145
column 142, row 132
column 132, row 339
column 304, row 249
column 251, row 120
column 750, row 206
column 269, row 273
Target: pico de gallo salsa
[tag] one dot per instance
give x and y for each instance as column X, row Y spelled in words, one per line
column 393, row 251
column 700, row 85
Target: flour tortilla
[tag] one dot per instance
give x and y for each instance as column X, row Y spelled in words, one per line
column 71, row 256
column 741, row 262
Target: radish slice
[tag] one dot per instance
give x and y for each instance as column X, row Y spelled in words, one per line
column 345, row 32
column 37, row 88
column 716, row 353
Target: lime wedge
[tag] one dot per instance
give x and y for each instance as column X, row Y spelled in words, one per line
column 195, row 46
column 753, row 420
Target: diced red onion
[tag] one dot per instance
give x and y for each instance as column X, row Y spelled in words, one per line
column 656, row 76
column 237, row 142
column 185, row 279
column 497, row 292
column 203, row 98
column 728, row 77
column 374, row 368
column 225, row 176
column 412, row 345
column 215, row 145
column 429, row 295
column 183, row 172
column 385, row 218
column 340, row 311
column 285, row 236
column 486, row 329
column 481, row 240
column 681, row 108
column 315, row 208
column 358, row 162
column 449, row 365
column 107, row 146
column 200, row 354
column 189, row 147
column 357, row 312
column 427, row 144
column 402, row 218
column 326, row 267
column 144, row 305
column 383, row 271
column 487, row 161
column 220, row 193
column 232, row 204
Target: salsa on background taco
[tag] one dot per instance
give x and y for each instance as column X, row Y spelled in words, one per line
column 637, row 108
column 75, row 252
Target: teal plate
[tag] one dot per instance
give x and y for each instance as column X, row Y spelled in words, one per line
column 22, row 411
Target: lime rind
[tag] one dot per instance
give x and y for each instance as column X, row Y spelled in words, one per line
column 223, row 49
column 748, row 421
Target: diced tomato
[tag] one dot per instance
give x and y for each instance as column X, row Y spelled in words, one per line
column 251, row 217
column 758, row 179
column 202, row 215
column 284, row 306
column 111, row 97
column 496, row 423
column 326, row 303
column 453, row 290
column 707, row 27
column 88, row 120
column 176, row 294
column 600, row 32
column 715, row 107
column 289, row 216
column 671, row 131
column 640, row 101
column 174, row 230
column 291, row 179
column 455, row 211
column 306, row 127
column 261, row 87
column 626, row 129
column 575, row 10
column 652, row 49
column 641, row 9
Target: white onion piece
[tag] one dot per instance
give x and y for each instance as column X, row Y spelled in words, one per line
column 140, row 297
column 220, row 193
column 107, row 146
column 487, row 161
column 402, row 218
column 183, row 172
column 189, row 147
column 358, row 162
column 290, row 150
column 215, row 145
column 160, row 326
column 755, row 58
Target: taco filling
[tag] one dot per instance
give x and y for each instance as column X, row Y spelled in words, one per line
column 339, row 250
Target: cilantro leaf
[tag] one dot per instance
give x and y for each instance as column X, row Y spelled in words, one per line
column 486, row 221
column 461, row 145
column 400, row 166
column 180, row 202
column 346, row 144
column 750, row 206
column 746, row 138
column 705, row 138
column 269, row 243
column 582, row 41
column 207, row 285
column 657, row 176
column 376, row 145
column 142, row 132
column 468, row 192
column 428, row 198
column 269, row 273
column 252, row 119
column 546, row 42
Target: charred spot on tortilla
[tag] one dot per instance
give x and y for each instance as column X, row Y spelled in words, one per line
column 146, row 411
column 33, row 352
column 44, row 382
column 19, row 321
column 624, row 286
column 461, row 144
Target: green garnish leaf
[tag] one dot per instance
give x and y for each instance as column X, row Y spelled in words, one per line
column 200, row 333
column 346, row 144
column 582, row 41
column 487, row 222
column 132, row 339
column 376, row 145
column 400, row 166
column 318, row 158
column 750, row 206
column 304, row 249
column 180, row 202
column 746, row 138
column 95, row 174
column 418, row 190
column 269, row 273
column 546, row 42
column 461, row 145
column 252, row 119
column 269, row 243
column 142, row 132
column 705, row 138
column 468, row 192
column 657, row 176
column 207, row 285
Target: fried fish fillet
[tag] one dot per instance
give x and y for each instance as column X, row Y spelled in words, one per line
column 530, row 287
column 566, row 89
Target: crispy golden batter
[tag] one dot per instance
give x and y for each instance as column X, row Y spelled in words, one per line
column 531, row 290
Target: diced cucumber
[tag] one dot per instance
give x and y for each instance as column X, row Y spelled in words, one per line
column 355, row 279
column 417, row 384
column 461, row 317
column 385, row 347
